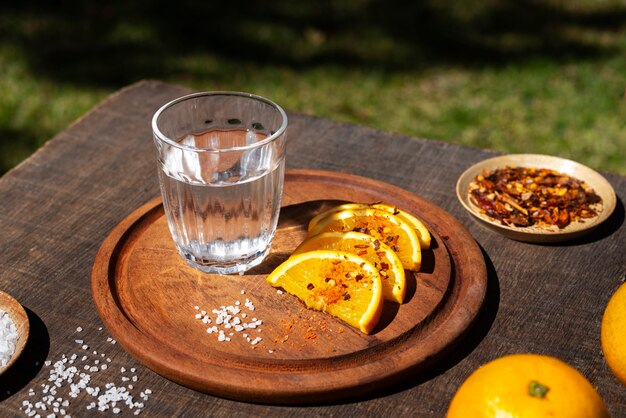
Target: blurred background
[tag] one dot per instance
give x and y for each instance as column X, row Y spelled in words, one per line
column 541, row 76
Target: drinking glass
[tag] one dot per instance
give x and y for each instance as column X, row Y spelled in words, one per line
column 221, row 160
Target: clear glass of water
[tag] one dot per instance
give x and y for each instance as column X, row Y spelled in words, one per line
column 221, row 160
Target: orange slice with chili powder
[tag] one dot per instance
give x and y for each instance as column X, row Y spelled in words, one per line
column 380, row 255
column 341, row 284
column 382, row 225
column 423, row 234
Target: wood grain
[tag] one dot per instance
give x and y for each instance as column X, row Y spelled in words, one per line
column 146, row 295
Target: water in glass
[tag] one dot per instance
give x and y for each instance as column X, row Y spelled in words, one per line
column 222, row 210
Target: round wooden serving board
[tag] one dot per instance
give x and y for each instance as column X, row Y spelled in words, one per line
column 147, row 297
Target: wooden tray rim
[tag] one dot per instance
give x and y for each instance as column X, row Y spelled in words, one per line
column 464, row 309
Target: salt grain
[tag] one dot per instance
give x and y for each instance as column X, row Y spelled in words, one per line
column 230, row 318
column 71, row 382
column 8, row 338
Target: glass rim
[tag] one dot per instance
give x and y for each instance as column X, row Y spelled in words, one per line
column 162, row 137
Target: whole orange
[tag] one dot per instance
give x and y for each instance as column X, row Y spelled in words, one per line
column 526, row 385
column 613, row 333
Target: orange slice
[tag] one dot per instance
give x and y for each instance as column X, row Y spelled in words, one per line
column 380, row 255
column 341, row 284
column 384, row 226
column 422, row 232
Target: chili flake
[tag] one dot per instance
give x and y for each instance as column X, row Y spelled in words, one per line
column 524, row 197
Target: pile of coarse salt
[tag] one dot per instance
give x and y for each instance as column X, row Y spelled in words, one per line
column 8, row 338
column 232, row 319
column 75, row 385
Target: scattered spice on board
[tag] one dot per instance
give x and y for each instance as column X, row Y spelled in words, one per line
column 523, row 197
column 310, row 334
column 84, row 380
column 302, row 329
column 8, row 338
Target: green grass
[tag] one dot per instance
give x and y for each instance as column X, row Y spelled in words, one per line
column 534, row 76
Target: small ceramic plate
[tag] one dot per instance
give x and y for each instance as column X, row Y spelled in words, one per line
column 534, row 233
column 17, row 313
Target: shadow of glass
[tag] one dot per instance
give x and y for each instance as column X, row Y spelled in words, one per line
column 294, row 217
column 26, row 367
column 301, row 213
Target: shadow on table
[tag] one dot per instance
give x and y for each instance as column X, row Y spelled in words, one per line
column 467, row 343
column 463, row 347
column 30, row 362
column 607, row 228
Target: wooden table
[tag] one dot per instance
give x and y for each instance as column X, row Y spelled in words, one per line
column 57, row 207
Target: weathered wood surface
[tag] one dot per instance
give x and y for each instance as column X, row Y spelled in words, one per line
column 58, row 206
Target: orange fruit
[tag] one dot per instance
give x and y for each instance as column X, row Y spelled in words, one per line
column 527, row 385
column 423, row 234
column 317, row 218
column 341, row 284
column 380, row 255
column 613, row 334
column 384, row 226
